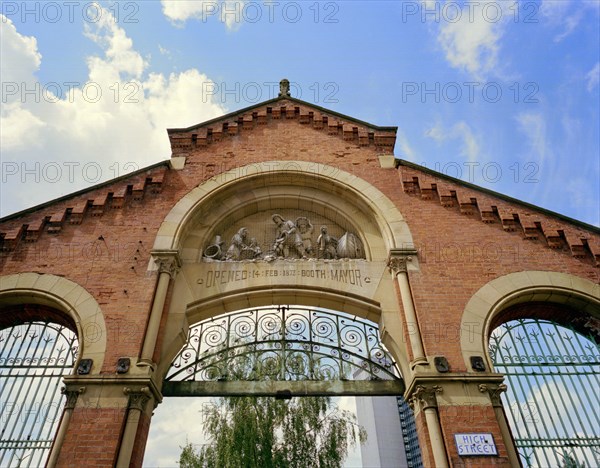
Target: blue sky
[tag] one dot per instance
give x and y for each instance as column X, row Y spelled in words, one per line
column 503, row 94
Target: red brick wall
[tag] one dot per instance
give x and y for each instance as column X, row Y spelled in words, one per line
column 108, row 256
column 93, row 437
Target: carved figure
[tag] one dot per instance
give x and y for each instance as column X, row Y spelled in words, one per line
column 305, row 228
column 241, row 248
column 255, row 248
column 287, row 237
column 327, row 245
column 215, row 250
column 350, row 246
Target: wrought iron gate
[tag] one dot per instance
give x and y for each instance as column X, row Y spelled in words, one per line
column 33, row 359
column 553, row 397
column 304, row 348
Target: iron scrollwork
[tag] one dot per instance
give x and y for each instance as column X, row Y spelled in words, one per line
column 283, row 343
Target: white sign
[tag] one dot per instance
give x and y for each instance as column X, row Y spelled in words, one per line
column 479, row 444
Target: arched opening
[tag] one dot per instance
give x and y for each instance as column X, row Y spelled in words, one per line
column 38, row 346
column 550, row 356
column 280, row 351
column 292, row 344
column 283, row 343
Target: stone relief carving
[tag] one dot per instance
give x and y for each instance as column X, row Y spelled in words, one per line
column 288, row 238
column 291, row 240
column 242, row 248
column 350, row 246
column 215, row 250
column 305, row 228
column 327, row 245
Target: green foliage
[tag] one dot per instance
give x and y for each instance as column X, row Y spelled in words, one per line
column 262, row 432
column 569, row 461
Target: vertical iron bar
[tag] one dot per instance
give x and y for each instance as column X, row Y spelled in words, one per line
column 526, row 378
column 575, row 379
column 48, row 390
column 579, row 402
column 311, row 356
column 513, row 380
column 535, row 377
column 14, row 381
column 35, row 447
column 39, row 381
column 560, row 378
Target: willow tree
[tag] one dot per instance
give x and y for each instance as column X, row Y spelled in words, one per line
column 265, row 432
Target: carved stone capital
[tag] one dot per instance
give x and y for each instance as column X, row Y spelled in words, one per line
column 71, row 395
column 398, row 264
column 425, row 397
column 494, row 391
column 138, row 398
column 399, row 259
column 168, row 261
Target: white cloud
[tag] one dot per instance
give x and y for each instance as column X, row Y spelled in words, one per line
column 116, row 121
column 405, row 148
column 229, row 12
column 470, row 147
column 118, row 48
column 565, row 15
column 554, row 10
column 470, row 37
column 20, row 57
column 164, row 51
column 593, row 77
column 175, row 421
column 20, row 128
column 570, row 23
column 533, row 126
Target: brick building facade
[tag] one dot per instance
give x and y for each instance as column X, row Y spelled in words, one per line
column 444, row 262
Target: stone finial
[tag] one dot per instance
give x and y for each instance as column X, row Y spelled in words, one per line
column 284, row 87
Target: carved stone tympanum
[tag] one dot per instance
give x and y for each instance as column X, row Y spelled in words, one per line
column 288, row 239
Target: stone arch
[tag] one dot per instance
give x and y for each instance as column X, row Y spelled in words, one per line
column 484, row 308
column 265, row 188
column 240, row 188
column 66, row 297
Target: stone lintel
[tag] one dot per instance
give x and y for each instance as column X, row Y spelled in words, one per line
column 107, row 390
column 457, row 388
column 285, row 388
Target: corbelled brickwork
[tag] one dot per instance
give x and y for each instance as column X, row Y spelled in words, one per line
column 101, row 239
